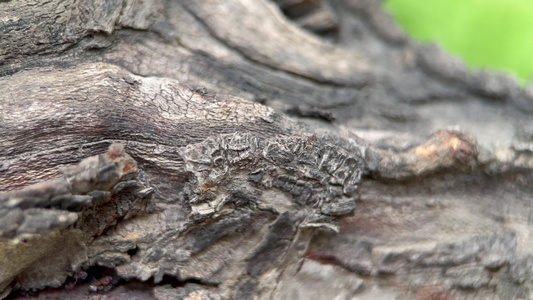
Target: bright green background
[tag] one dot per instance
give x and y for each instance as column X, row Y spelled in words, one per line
column 497, row 34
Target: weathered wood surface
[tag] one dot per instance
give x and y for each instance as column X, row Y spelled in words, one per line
column 252, row 158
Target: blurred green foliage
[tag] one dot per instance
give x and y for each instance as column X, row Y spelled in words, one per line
column 495, row 34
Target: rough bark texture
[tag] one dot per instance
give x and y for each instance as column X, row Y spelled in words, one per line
column 252, row 149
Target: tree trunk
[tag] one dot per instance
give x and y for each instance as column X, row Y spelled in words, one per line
column 255, row 149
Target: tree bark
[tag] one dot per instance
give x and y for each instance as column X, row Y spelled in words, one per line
column 254, row 149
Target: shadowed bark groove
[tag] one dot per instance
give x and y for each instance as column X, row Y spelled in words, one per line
column 254, row 149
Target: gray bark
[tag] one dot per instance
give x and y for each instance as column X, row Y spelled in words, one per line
column 254, row 149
